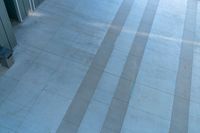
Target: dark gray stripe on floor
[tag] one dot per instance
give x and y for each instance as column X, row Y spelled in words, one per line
column 80, row 102
column 118, row 108
column 181, row 104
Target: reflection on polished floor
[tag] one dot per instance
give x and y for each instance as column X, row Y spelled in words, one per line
column 105, row 66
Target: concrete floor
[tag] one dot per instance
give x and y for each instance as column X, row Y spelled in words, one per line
column 105, row 66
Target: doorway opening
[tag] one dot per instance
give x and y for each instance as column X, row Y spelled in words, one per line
column 12, row 11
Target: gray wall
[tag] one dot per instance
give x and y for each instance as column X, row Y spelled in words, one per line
column 15, row 9
column 19, row 9
column 7, row 38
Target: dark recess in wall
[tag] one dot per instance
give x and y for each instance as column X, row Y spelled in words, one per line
column 11, row 9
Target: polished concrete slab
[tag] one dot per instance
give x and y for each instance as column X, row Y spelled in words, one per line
column 117, row 66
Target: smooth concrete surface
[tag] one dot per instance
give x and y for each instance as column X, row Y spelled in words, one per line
column 110, row 66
